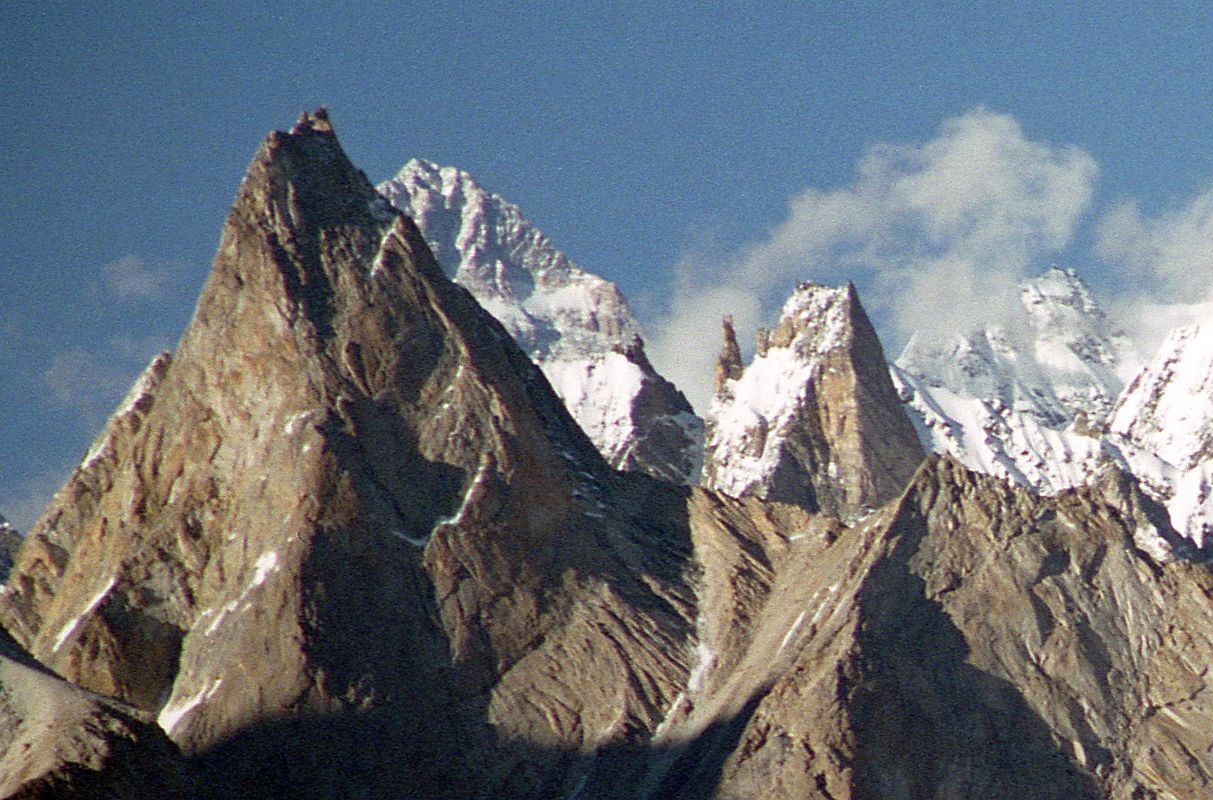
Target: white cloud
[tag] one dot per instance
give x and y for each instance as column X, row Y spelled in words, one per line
column 1164, row 264
column 93, row 381
column 133, row 278
column 935, row 235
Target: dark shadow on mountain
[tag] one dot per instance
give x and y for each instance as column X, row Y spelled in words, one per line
column 388, row 753
column 923, row 722
column 929, row 724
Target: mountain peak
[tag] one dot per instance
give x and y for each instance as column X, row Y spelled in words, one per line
column 334, row 406
column 813, row 419
column 576, row 326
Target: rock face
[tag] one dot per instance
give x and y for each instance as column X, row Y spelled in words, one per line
column 349, row 514
column 57, row 741
column 813, row 419
column 970, row 640
column 576, row 326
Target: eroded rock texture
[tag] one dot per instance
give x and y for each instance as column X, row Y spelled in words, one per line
column 350, row 515
column 57, row 740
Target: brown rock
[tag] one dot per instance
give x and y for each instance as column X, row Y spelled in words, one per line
column 728, row 363
column 348, row 542
column 57, row 741
column 814, row 419
column 350, row 517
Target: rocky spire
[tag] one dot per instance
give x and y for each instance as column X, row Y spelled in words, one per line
column 813, row 419
column 350, row 497
column 728, row 363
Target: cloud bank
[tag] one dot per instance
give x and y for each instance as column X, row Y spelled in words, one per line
column 1163, row 263
column 936, row 236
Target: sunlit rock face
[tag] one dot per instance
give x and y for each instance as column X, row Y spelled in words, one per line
column 813, row 419
column 349, row 494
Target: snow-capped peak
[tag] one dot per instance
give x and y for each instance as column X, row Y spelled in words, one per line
column 1022, row 399
column 575, row 325
column 813, row 419
column 1168, row 408
column 1061, row 357
column 551, row 306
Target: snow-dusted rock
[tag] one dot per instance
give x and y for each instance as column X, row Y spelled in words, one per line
column 1168, row 408
column 1162, row 428
column 1024, row 402
column 813, row 419
column 575, row 325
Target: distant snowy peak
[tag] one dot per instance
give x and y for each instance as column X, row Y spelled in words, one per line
column 575, row 325
column 1085, row 357
column 1168, row 408
column 1044, row 406
column 988, row 435
column 1064, row 356
column 551, row 306
column 813, row 419
column 1023, row 400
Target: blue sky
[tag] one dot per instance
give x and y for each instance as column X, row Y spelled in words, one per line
column 662, row 148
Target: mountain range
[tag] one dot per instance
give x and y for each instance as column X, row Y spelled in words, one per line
column 408, row 513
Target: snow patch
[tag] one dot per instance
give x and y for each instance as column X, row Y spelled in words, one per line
column 415, row 541
column 573, row 324
column 67, row 630
column 787, row 637
column 267, row 563
column 751, row 415
column 1147, row 538
column 171, row 715
column 705, row 659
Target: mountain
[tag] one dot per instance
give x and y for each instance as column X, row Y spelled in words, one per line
column 576, row 326
column 346, row 541
column 813, row 419
column 970, row 639
column 1023, row 400
column 1162, row 429
column 1061, row 399
column 349, row 516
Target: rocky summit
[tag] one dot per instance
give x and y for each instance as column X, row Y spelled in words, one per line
column 813, row 419
column 347, row 541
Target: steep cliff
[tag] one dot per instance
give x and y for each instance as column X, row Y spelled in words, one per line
column 350, row 514
column 348, row 542
column 813, row 419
